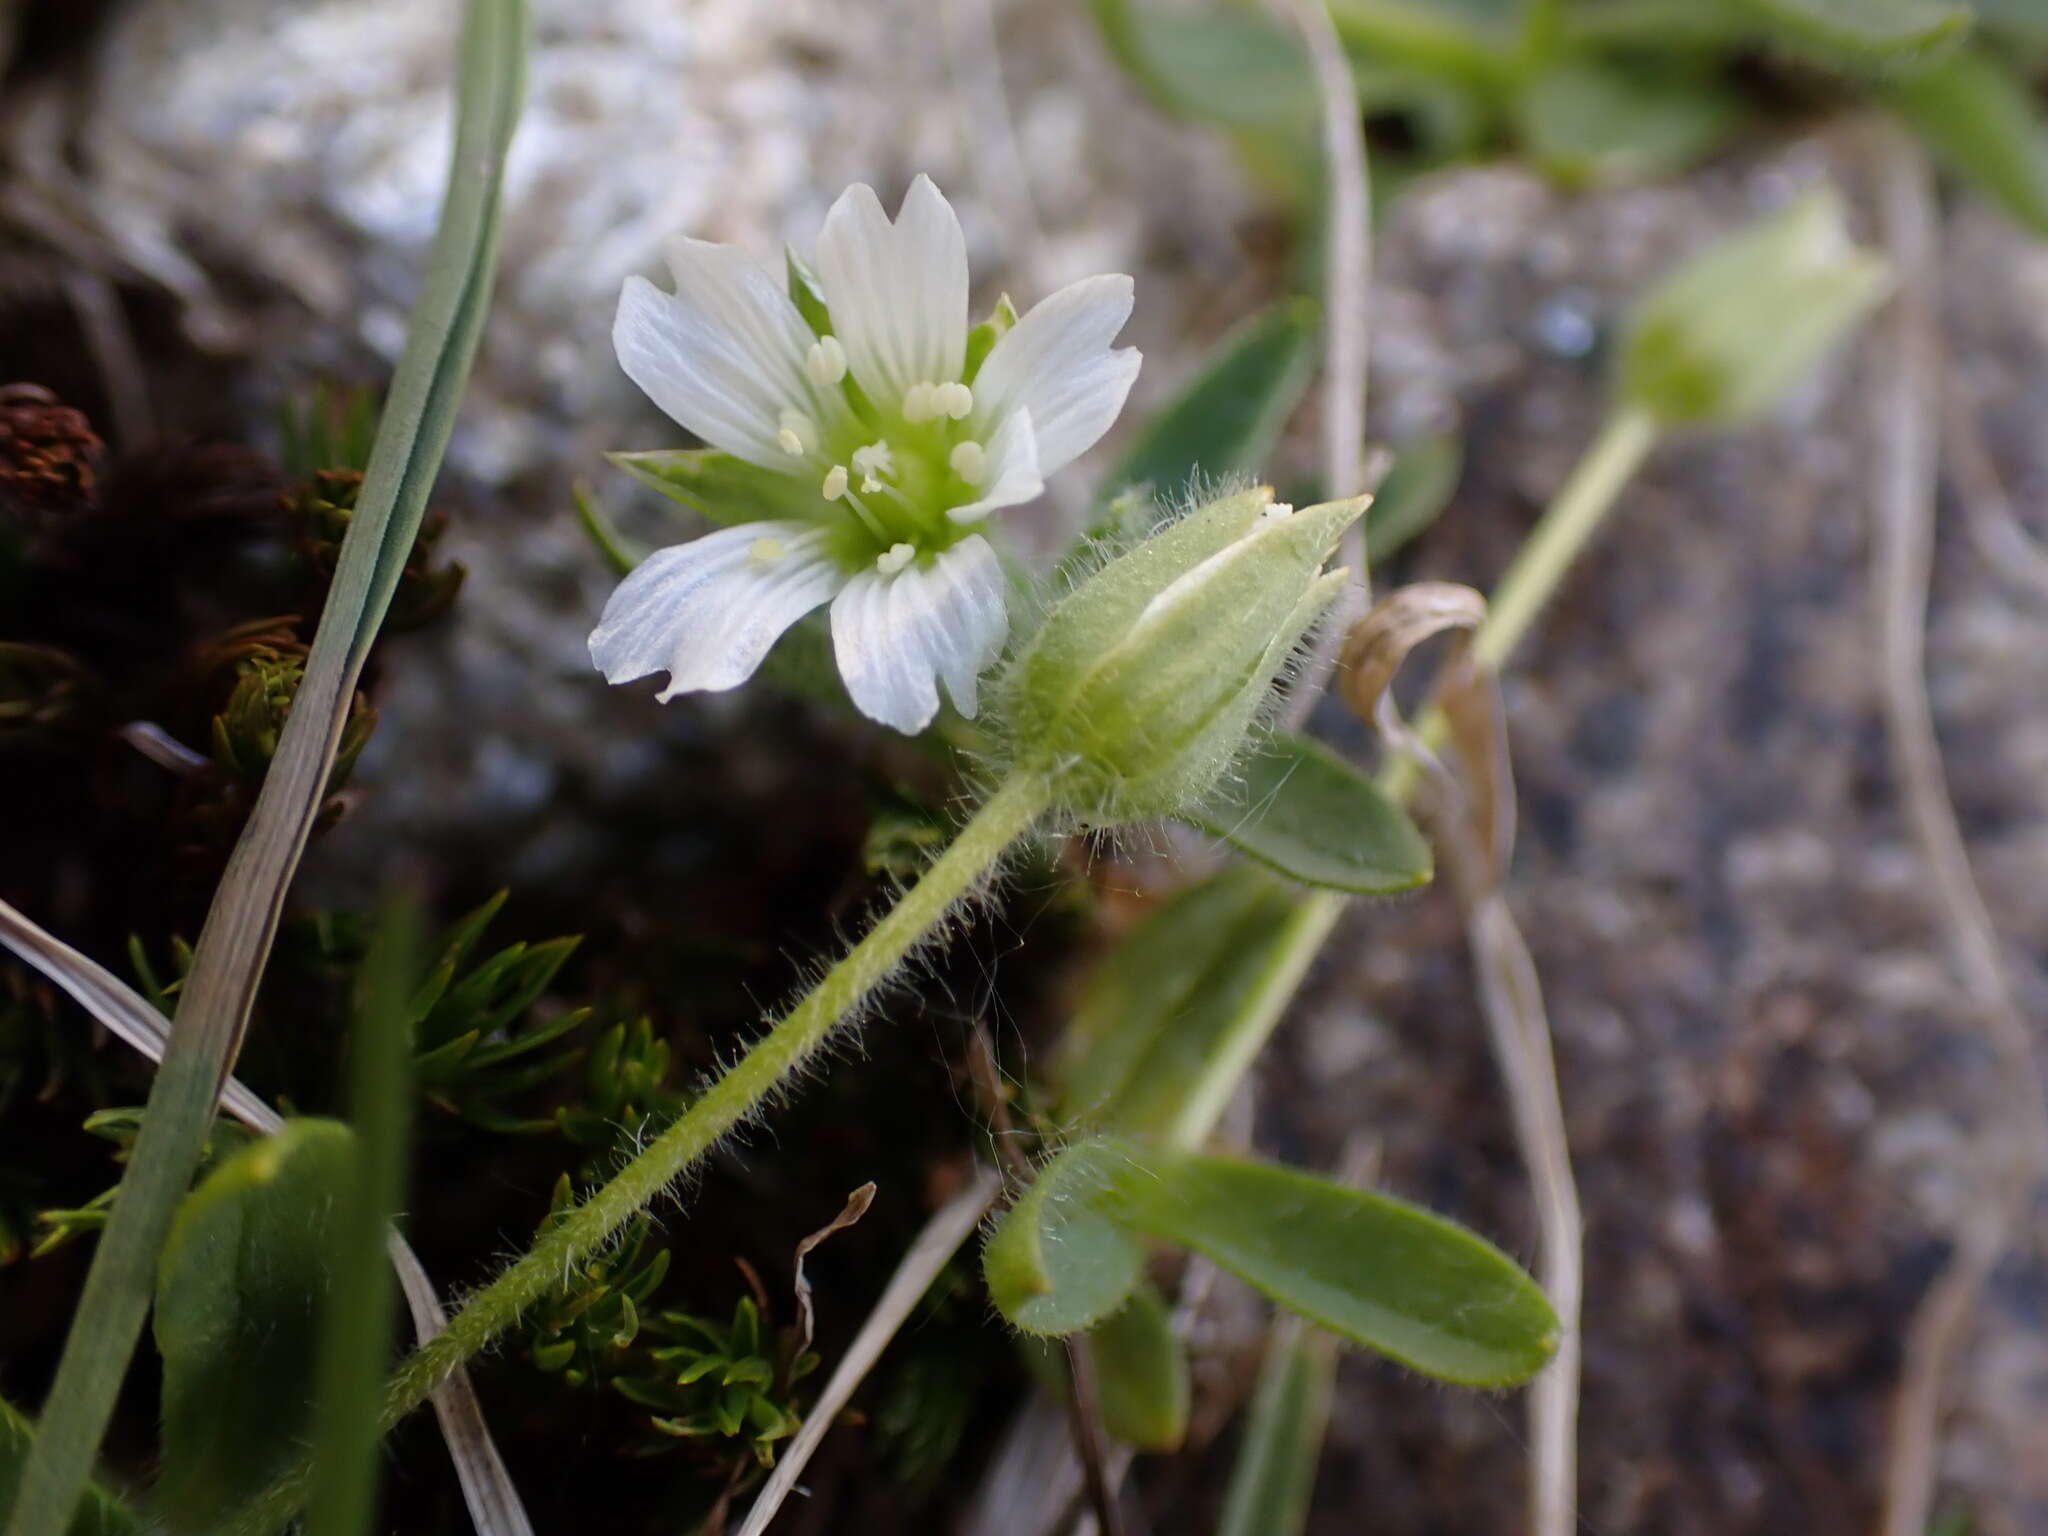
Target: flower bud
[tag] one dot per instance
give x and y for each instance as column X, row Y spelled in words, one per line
column 1137, row 691
column 1729, row 333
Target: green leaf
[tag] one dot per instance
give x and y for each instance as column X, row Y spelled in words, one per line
column 1173, row 1014
column 100, row 1513
column 720, row 487
column 1297, row 807
column 1466, row 42
column 1141, row 1371
column 1862, row 33
column 2024, row 22
column 1141, row 1374
column 1982, row 120
column 1275, row 1472
column 213, row 1007
column 1056, row 1264
column 1371, row 1269
column 1597, row 124
column 1216, row 64
column 1418, row 488
column 1228, row 418
column 237, row 1294
column 356, row 1319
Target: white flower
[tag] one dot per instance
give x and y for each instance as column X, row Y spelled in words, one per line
column 908, row 450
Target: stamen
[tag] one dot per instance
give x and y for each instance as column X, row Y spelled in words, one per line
column 835, row 482
column 954, row 400
column 799, row 434
column 874, row 460
column 868, row 520
column 919, row 404
column 826, row 361
column 766, row 551
column 970, row 461
column 1273, row 511
column 897, row 557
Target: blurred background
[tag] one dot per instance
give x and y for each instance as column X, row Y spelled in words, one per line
column 213, row 211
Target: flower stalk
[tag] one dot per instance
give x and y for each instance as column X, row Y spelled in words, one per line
column 1003, row 818
column 1006, row 816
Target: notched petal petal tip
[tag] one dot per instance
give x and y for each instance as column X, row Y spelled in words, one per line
column 897, row 291
column 723, row 355
column 898, row 636
column 1058, row 362
column 709, row 611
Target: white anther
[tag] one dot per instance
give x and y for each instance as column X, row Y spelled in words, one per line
column 826, row 361
column 799, row 434
column 873, row 460
column 1273, row 511
column 918, row 403
column 897, row 557
column 766, row 551
column 835, row 482
column 970, row 461
column 954, row 400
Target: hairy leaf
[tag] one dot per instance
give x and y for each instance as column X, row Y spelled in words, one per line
column 1371, row 1269
column 1296, row 806
column 1983, row 121
column 1056, row 1263
column 243, row 1276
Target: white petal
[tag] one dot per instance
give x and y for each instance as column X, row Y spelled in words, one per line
column 896, row 637
column 723, row 354
column 1058, row 363
column 897, row 292
column 1011, row 467
column 708, row 611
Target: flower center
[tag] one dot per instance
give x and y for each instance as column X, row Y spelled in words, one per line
column 891, row 474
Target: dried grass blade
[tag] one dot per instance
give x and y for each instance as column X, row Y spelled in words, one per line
column 1471, row 813
column 2013, row 1147
column 950, row 1226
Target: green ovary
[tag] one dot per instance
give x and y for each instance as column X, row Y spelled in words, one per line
column 914, row 490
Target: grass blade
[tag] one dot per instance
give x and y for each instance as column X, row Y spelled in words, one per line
column 235, row 942
column 355, row 1325
column 100, row 1513
column 1275, row 1474
column 494, row 1505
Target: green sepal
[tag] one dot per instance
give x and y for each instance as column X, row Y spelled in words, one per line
column 982, row 339
column 1139, row 686
column 807, row 293
column 722, row 488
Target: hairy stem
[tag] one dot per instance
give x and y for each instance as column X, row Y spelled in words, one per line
column 1003, row 818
